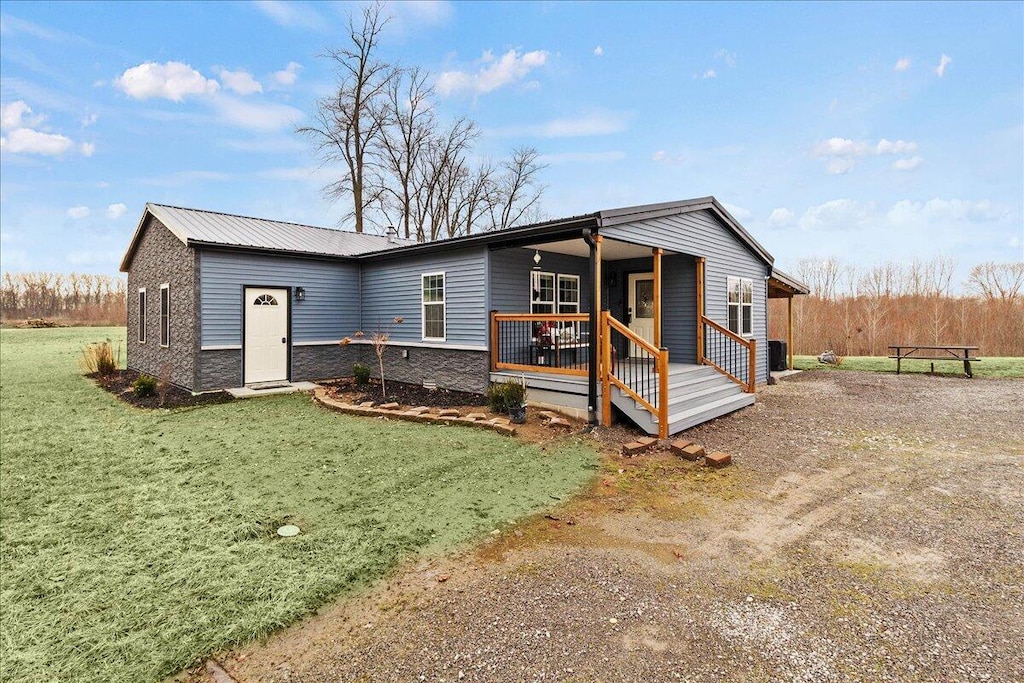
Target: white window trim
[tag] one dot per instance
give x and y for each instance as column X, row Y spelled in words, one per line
column 443, row 303
column 730, row 282
column 143, row 301
column 558, row 293
column 554, row 292
column 165, row 286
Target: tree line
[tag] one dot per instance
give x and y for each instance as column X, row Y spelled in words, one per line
column 402, row 164
column 75, row 298
column 860, row 311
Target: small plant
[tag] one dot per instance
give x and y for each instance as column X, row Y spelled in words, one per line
column 361, row 373
column 99, row 358
column 144, row 386
column 505, row 396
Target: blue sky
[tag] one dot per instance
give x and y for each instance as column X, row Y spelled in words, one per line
column 865, row 131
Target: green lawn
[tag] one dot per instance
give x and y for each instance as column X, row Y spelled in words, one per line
column 988, row 367
column 134, row 542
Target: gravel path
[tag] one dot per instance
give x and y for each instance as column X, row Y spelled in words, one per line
column 871, row 530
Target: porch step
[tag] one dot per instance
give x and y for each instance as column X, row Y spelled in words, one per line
column 696, row 394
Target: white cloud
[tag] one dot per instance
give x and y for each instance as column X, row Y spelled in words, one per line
column 292, row 15
column 13, row 115
column 495, row 73
column 77, row 212
column 838, row 147
column 907, row 164
column 88, row 148
column 898, row 147
column 837, row 214
column 943, row 63
column 170, row 80
column 90, row 120
column 263, row 116
column 839, row 166
column 738, row 212
column 710, row 73
column 906, row 218
column 597, row 123
column 902, row 64
column 288, row 75
column 661, row 156
column 728, row 57
column 422, row 12
column 115, row 211
column 240, row 82
column 907, row 214
column 28, row 141
column 780, row 217
column 599, row 51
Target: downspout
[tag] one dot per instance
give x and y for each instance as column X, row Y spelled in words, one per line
column 595, row 307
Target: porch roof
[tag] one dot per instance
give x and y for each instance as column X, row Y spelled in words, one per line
column 783, row 286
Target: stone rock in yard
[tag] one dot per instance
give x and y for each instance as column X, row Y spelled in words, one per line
column 389, row 406
column 692, row 452
column 717, row 459
column 477, row 416
column 366, row 404
column 639, row 446
column 559, row 422
column 678, row 445
column 449, row 412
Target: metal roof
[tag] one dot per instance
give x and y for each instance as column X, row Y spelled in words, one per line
column 786, row 283
column 196, row 227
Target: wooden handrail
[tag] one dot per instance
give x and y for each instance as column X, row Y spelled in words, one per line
column 727, row 332
column 544, row 317
column 750, row 386
column 634, row 337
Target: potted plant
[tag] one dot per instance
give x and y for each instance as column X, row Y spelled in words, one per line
column 509, row 397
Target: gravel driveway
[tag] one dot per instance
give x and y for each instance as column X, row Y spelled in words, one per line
column 871, row 529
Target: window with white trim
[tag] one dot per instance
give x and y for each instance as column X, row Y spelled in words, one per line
column 542, row 293
column 165, row 314
column 568, row 293
column 433, row 304
column 741, row 305
column 142, row 315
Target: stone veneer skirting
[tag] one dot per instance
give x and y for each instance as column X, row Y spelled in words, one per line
column 448, row 368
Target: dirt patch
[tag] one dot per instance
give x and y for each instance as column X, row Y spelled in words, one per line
column 405, row 394
column 869, row 530
column 120, row 385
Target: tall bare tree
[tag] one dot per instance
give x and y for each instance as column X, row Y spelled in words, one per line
column 347, row 127
column 518, row 188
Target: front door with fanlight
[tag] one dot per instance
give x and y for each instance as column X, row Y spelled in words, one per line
column 266, row 335
column 641, row 308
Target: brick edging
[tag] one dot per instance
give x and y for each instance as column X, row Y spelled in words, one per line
column 321, row 397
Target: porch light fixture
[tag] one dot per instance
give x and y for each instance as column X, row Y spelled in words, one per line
column 536, row 259
column 300, row 293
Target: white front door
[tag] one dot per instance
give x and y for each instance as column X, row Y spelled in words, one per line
column 641, row 308
column 266, row 335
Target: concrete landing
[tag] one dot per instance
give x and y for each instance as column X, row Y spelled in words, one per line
column 783, row 374
column 289, row 388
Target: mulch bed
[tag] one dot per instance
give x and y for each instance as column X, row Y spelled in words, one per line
column 120, row 385
column 405, row 394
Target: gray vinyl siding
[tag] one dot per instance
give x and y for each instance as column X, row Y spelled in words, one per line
column 329, row 312
column 392, row 288
column 700, row 234
column 679, row 308
column 510, row 277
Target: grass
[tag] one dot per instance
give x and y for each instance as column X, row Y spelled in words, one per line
column 133, row 543
column 988, row 367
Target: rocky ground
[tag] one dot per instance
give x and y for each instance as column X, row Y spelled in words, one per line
column 869, row 530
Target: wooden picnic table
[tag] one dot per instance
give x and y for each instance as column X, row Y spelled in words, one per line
column 933, row 352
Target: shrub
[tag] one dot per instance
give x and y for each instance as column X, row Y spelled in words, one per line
column 99, row 358
column 501, row 396
column 145, row 386
column 361, row 373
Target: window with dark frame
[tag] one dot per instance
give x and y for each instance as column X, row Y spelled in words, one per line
column 142, row 315
column 165, row 315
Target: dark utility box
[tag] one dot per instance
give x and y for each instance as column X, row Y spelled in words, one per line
column 777, row 355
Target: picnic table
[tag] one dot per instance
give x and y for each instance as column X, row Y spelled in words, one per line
column 933, row 352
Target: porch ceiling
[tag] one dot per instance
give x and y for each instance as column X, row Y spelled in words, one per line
column 611, row 250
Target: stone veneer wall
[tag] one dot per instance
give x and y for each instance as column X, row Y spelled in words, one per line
column 159, row 258
column 219, row 369
column 449, row 368
column 329, row 361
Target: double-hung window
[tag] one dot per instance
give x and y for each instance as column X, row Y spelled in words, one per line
column 433, row 298
column 142, row 315
column 165, row 314
column 741, row 305
column 542, row 293
column 568, row 294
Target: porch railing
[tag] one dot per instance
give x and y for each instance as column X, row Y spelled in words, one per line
column 729, row 353
column 526, row 342
column 635, row 366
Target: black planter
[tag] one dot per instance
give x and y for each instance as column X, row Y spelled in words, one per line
column 517, row 415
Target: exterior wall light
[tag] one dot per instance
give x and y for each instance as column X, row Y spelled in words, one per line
column 300, row 293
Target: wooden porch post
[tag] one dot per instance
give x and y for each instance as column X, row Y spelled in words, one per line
column 606, row 369
column 789, row 332
column 657, row 252
column 494, row 341
column 700, row 310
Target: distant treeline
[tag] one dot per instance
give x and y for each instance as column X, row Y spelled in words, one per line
column 73, row 298
column 861, row 311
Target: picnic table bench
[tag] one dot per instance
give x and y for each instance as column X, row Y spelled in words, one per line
column 933, row 352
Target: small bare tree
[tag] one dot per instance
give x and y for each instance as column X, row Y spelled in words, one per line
column 379, row 339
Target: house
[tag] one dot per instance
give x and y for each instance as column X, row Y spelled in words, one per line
column 679, row 337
